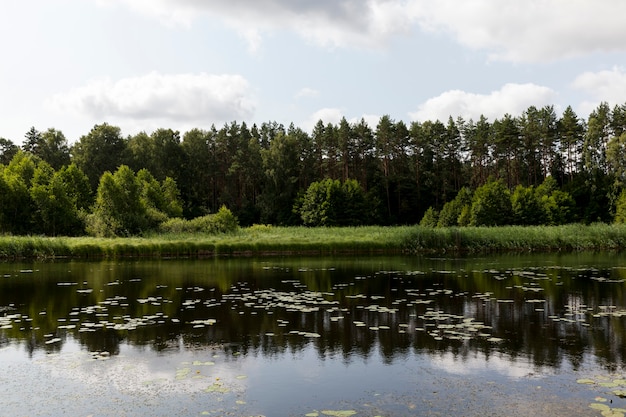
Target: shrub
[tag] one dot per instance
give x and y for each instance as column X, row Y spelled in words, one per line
column 224, row 221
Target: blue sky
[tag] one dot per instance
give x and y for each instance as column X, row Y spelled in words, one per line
column 180, row 64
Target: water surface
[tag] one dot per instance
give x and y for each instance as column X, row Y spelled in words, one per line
column 365, row 336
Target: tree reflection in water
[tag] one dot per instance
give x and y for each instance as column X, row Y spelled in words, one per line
column 547, row 309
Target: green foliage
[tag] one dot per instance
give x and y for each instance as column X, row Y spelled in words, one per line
column 620, row 209
column 526, row 206
column 36, row 199
column 7, row 151
column 99, row 151
column 55, row 212
column 16, row 204
column 465, row 218
column 281, row 171
column 77, row 186
column 160, row 153
column 455, row 212
column 118, row 210
column 263, row 173
column 491, row 205
column 129, row 204
column 53, row 148
column 172, row 204
column 430, row 218
column 558, row 206
column 333, row 203
column 224, row 221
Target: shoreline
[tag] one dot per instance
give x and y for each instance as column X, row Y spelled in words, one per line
column 295, row 241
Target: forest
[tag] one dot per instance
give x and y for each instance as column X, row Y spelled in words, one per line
column 530, row 169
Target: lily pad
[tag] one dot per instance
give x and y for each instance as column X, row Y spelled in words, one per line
column 620, row 393
column 585, row 381
column 200, row 363
column 340, row 413
column 599, row 407
column 217, row 387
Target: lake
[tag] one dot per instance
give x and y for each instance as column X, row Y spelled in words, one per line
column 515, row 335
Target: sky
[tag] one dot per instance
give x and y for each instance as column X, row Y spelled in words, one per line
column 183, row 64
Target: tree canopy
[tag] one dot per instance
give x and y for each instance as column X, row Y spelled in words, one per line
column 537, row 167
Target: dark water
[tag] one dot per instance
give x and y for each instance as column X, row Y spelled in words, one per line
column 364, row 336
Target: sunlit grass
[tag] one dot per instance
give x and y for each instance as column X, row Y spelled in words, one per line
column 260, row 240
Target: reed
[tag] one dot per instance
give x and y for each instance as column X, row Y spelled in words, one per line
column 260, row 240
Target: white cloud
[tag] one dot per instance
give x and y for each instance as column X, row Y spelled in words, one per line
column 608, row 86
column 479, row 363
column 184, row 98
column 326, row 22
column 530, row 31
column 511, row 98
column 371, row 120
column 307, row 92
column 327, row 115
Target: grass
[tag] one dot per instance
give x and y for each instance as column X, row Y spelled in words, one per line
column 259, row 240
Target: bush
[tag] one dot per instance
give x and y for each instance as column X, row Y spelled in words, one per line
column 224, row 221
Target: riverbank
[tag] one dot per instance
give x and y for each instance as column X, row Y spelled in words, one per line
column 262, row 240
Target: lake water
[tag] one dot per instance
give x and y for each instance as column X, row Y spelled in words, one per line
column 366, row 336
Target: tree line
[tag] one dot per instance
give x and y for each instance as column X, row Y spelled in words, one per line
column 338, row 174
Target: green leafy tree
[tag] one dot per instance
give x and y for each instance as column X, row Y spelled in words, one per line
column 558, row 206
column 354, row 208
column 119, row 209
column 616, row 158
column 173, row 205
column 55, row 210
column 161, row 200
column 333, row 203
column 77, row 187
column 160, row 153
column 7, row 151
column 17, row 205
column 526, row 206
column 491, row 205
column 450, row 214
column 54, row 149
column 620, row 209
column 101, row 150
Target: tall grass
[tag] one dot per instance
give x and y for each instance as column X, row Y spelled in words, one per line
column 518, row 238
column 259, row 240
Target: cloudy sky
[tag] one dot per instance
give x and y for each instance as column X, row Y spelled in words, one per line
column 144, row 64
